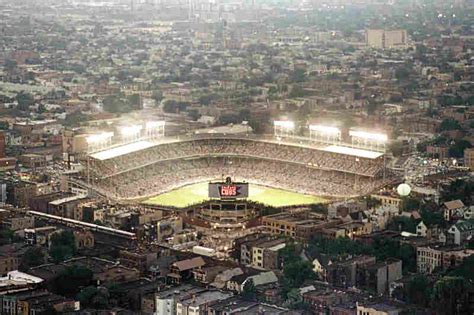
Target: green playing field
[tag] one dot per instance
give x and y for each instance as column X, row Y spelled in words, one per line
column 196, row 193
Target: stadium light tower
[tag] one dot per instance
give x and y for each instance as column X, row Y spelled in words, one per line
column 283, row 128
column 155, row 129
column 131, row 133
column 325, row 134
column 99, row 141
column 368, row 140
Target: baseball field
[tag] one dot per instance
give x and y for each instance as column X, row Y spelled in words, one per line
column 196, row 193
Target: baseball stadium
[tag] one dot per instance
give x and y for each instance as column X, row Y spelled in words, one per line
column 280, row 169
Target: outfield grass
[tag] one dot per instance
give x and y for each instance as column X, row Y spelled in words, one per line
column 196, row 193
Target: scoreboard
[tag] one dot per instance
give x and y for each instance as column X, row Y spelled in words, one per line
column 228, row 190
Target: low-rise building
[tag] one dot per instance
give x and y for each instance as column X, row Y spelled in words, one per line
column 428, row 259
column 198, row 304
column 453, row 210
column 460, row 232
column 165, row 301
column 299, row 225
column 183, row 269
column 265, row 255
column 40, row 236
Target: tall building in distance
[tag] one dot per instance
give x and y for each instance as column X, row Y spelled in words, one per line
column 383, row 39
column 6, row 163
column 2, row 144
column 469, row 158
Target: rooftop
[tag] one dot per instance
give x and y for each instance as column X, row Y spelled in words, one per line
column 353, row 152
column 206, row 297
column 189, row 263
column 122, row 150
column 67, row 199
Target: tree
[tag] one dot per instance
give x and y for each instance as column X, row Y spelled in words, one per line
column 297, row 272
column 431, row 216
column 172, row 106
column 397, row 148
column 402, row 73
column 319, row 208
column 33, row 257
column 25, row 100
column 449, row 124
column 7, row 236
column 229, row 118
column 410, row 204
column 249, row 292
column 298, row 76
column 94, row 297
column 75, row 119
column 205, row 100
column 41, row 108
column 63, row 246
column 258, row 126
column 297, row 91
column 457, row 149
column 459, row 189
column 157, row 95
column 134, row 100
column 402, row 224
column 245, row 114
column 10, row 64
column 464, row 270
column 4, row 125
column 371, row 107
column 339, row 247
column 418, row 291
column 194, row 114
column 451, row 296
column 116, row 104
column 71, row 280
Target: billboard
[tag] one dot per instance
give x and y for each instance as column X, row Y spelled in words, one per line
column 228, row 190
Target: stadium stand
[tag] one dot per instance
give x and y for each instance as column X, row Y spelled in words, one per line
column 348, row 160
column 325, row 171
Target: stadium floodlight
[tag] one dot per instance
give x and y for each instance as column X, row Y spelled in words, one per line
column 99, row 141
column 325, row 129
column 155, row 129
column 154, row 124
column 283, row 127
column 379, row 137
column 285, row 124
column 325, row 134
column 130, row 131
column 101, row 137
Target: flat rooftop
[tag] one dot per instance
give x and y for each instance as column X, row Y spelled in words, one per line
column 67, row 199
column 122, row 150
column 353, row 152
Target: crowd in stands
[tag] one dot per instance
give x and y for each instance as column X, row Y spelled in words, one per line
column 238, row 147
column 166, row 175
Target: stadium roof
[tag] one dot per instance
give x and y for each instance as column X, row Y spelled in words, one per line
column 352, row 151
column 122, row 150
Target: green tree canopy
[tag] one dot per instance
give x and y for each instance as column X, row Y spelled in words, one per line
column 25, row 100
column 451, row 296
column 418, row 291
column 456, row 150
column 33, row 257
column 63, row 246
column 71, row 280
column 249, row 292
column 449, row 124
